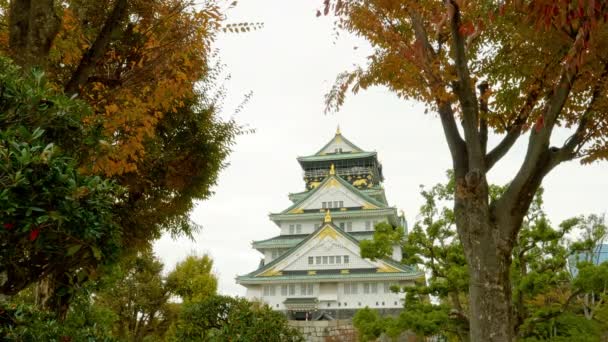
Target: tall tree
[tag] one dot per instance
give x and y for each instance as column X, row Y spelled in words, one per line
column 143, row 68
column 137, row 293
column 517, row 68
column 546, row 297
column 56, row 222
column 192, row 279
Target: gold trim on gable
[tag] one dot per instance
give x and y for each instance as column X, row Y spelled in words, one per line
column 332, row 183
column 296, row 211
column 273, row 272
column 344, row 271
column 367, row 206
column 327, row 232
column 387, row 269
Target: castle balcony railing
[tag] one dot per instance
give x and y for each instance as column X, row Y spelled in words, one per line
column 352, row 171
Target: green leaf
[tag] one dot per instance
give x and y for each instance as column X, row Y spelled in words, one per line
column 73, row 249
column 96, row 252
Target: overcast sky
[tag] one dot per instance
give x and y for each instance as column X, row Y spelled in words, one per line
column 289, row 65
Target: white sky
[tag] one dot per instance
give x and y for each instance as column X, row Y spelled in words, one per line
column 289, row 65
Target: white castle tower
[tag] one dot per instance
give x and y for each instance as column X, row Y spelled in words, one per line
column 313, row 269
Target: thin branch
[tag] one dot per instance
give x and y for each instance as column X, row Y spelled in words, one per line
column 98, row 49
column 515, row 130
column 465, row 91
column 578, row 138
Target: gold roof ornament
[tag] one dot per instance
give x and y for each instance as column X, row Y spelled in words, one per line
column 338, row 130
column 332, row 170
column 327, row 217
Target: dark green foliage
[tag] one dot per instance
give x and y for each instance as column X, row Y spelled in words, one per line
column 135, row 291
column 85, row 322
column 548, row 302
column 55, row 220
column 222, row 318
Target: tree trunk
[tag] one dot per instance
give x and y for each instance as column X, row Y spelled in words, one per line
column 33, row 25
column 488, row 257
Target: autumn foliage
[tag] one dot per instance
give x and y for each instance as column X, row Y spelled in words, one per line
column 142, row 74
column 523, row 69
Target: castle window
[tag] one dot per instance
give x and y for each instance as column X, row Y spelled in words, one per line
column 292, row 289
column 292, row 229
column 318, row 260
column 341, row 204
column 336, row 204
column 331, row 259
column 325, row 260
column 349, row 226
column 387, row 287
column 268, row 290
column 329, row 205
column 283, row 290
column 350, row 288
column 374, row 287
column 324, row 205
column 368, row 225
column 298, row 229
column 346, row 259
column 311, row 260
column 342, row 225
column 306, row 289
column 338, row 259
column 366, row 288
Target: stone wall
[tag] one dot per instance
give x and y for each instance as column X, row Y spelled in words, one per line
column 326, row 331
column 338, row 331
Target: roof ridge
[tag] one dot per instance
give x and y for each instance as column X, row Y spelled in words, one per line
column 346, row 141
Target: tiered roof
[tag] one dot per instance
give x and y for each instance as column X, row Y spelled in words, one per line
column 381, row 268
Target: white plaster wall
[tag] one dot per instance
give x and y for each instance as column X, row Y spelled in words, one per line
column 346, row 301
column 338, row 193
column 397, row 254
column 328, row 247
column 358, row 224
column 254, row 292
column 337, row 144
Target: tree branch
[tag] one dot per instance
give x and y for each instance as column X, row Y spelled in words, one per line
column 455, row 142
column 98, row 49
column 483, row 120
column 514, row 203
column 465, row 91
column 578, row 138
column 516, row 128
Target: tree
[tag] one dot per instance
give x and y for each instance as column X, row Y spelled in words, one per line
column 137, row 293
column 143, row 69
column 516, row 68
column 192, row 279
column 222, row 318
column 56, row 222
column 545, row 295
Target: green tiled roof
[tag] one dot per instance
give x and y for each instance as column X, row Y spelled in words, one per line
column 301, row 300
column 247, row 279
column 407, row 272
column 341, row 137
column 292, row 240
column 336, row 156
column 340, row 214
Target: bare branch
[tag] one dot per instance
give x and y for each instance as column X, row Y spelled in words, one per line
column 538, row 160
column 98, row 49
column 465, row 91
column 516, row 128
